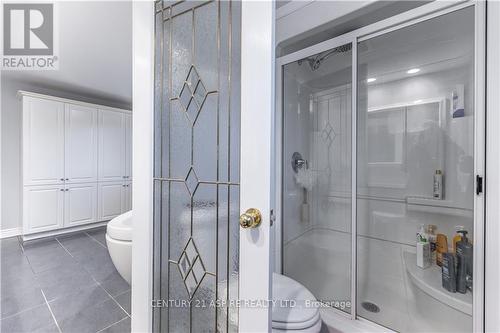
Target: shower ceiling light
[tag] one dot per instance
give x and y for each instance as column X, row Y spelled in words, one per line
column 371, row 79
column 413, row 71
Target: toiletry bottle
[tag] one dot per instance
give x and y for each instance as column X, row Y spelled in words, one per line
column 441, row 248
column 438, row 185
column 431, row 236
column 458, row 236
column 464, row 263
column 448, row 275
column 421, row 234
column 423, row 249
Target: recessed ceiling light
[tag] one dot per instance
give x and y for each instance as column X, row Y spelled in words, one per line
column 371, row 79
column 413, row 70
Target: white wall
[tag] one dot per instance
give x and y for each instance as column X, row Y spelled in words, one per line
column 11, row 111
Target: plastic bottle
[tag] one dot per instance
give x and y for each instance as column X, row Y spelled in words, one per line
column 431, row 235
column 458, row 236
column 438, row 185
column 441, row 247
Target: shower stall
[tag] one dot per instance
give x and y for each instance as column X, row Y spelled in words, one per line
column 378, row 134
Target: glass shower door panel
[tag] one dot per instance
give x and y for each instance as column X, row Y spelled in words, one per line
column 317, row 174
column 196, row 199
column 415, row 119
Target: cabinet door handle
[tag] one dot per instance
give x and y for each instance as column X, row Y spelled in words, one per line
column 67, row 189
column 62, row 179
column 67, row 178
column 62, row 189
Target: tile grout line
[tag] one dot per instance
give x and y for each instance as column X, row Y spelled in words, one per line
column 95, row 240
column 98, row 283
column 50, row 310
column 23, row 311
column 105, row 328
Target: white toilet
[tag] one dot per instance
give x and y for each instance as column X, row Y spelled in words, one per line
column 119, row 242
column 302, row 317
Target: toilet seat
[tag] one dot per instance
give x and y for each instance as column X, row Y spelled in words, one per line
column 120, row 228
column 303, row 316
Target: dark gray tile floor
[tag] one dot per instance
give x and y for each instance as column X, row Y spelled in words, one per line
column 62, row 284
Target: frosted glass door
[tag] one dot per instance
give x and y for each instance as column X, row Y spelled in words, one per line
column 196, row 184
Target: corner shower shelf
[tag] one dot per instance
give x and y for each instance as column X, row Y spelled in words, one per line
column 429, row 281
column 436, row 206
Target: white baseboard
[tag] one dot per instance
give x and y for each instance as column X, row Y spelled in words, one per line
column 6, row 233
column 63, row 231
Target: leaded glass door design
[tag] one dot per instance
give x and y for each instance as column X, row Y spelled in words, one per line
column 196, row 165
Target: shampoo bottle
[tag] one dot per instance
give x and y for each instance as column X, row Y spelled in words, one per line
column 441, row 248
column 458, row 236
column 449, row 280
column 464, row 263
column 431, row 235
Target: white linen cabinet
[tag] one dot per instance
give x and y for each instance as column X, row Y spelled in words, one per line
column 73, row 155
column 114, row 146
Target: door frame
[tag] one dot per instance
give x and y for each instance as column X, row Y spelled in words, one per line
column 142, row 164
column 408, row 18
column 257, row 109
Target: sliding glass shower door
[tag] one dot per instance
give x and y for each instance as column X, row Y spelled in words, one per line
column 317, row 174
column 414, row 127
column 415, row 169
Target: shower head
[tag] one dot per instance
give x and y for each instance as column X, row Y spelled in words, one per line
column 315, row 61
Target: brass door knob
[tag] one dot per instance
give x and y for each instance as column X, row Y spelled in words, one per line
column 251, row 218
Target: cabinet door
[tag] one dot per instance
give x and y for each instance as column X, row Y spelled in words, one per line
column 43, row 141
column 127, row 197
column 43, row 208
column 110, row 200
column 80, row 202
column 80, row 144
column 128, row 146
column 112, row 132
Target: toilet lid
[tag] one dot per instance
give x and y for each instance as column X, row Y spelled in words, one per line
column 302, row 314
column 120, row 228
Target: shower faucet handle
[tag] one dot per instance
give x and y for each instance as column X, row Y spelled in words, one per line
column 298, row 162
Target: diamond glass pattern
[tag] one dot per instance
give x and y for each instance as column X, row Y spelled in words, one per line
column 191, row 267
column 328, row 134
column 191, row 181
column 192, row 94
